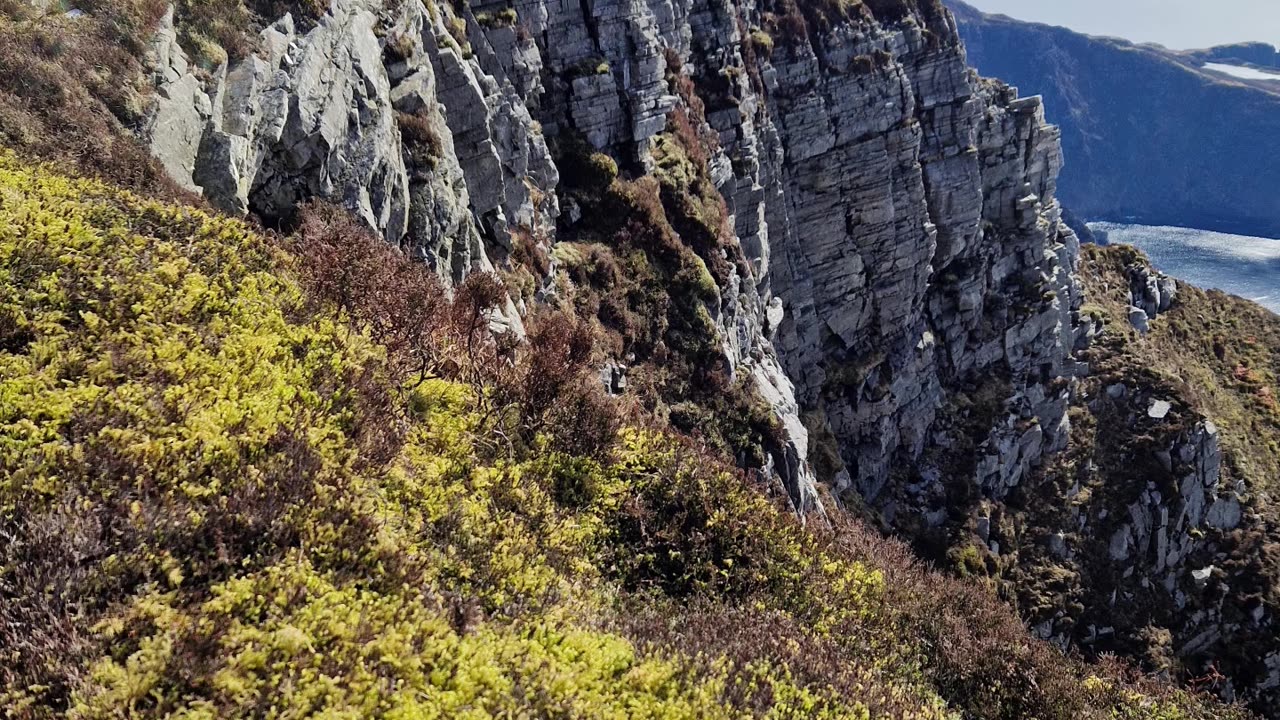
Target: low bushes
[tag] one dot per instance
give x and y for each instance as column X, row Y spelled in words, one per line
column 421, row 142
column 234, row 485
column 649, row 266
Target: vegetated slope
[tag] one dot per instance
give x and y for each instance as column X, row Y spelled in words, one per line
column 73, row 83
column 1153, row 534
column 1149, row 136
column 430, row 467
column 1221, row 351
column 237, row 483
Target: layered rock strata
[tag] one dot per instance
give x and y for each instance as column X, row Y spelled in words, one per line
column 897, row 212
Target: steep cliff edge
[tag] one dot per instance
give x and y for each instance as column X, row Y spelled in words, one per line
column 1153, row 534
column 918, row 248
column 825, row 190
column 1151, row 135
column 807, row 236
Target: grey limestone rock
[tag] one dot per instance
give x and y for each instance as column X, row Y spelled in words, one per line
column 916, row 243
column 179, row 109
column 1139, row 319
column 1150, row 291
column 1159, row 409
column 308, row 116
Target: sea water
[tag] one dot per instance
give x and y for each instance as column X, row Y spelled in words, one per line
column 1241, row 265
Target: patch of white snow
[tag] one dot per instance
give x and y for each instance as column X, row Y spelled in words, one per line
column 1246, row 73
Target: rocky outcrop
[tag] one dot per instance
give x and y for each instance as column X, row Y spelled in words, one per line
column 895, row 269
column 1147, row 536
column 896, row 212
column 1151, row 136
column 308, row 117
column 421, row 120
column 871, row 225
column 1150, row 293
column 376, row 107
column 1148, row 547
column 917, row 243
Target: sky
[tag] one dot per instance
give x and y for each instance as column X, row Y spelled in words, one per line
column 1179, row 24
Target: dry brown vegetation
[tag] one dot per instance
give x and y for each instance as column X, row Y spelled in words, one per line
column 648, row 268
column 530, row 389
column 421, row 142
column 796, row 21
column 1219, row 353
column 69, row 86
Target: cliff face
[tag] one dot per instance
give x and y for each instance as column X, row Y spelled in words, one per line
column 906, row 283
column 918, row 247
column 1150, row 134
column 896, row 213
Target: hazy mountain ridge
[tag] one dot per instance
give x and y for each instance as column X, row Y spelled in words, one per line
column 1150, row 136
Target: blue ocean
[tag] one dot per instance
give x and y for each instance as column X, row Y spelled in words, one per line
column 1238, row 264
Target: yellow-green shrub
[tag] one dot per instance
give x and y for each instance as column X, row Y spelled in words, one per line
column 290, row 642
column 220, row 499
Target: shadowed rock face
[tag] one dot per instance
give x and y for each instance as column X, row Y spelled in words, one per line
column 1149, row 135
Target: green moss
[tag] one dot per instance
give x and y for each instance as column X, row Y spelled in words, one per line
column 761, row 41
column 569, row 255
column 1097, row 312
column 457, row 28
column 588, row 67
column 968, row 561
column 601, row 170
